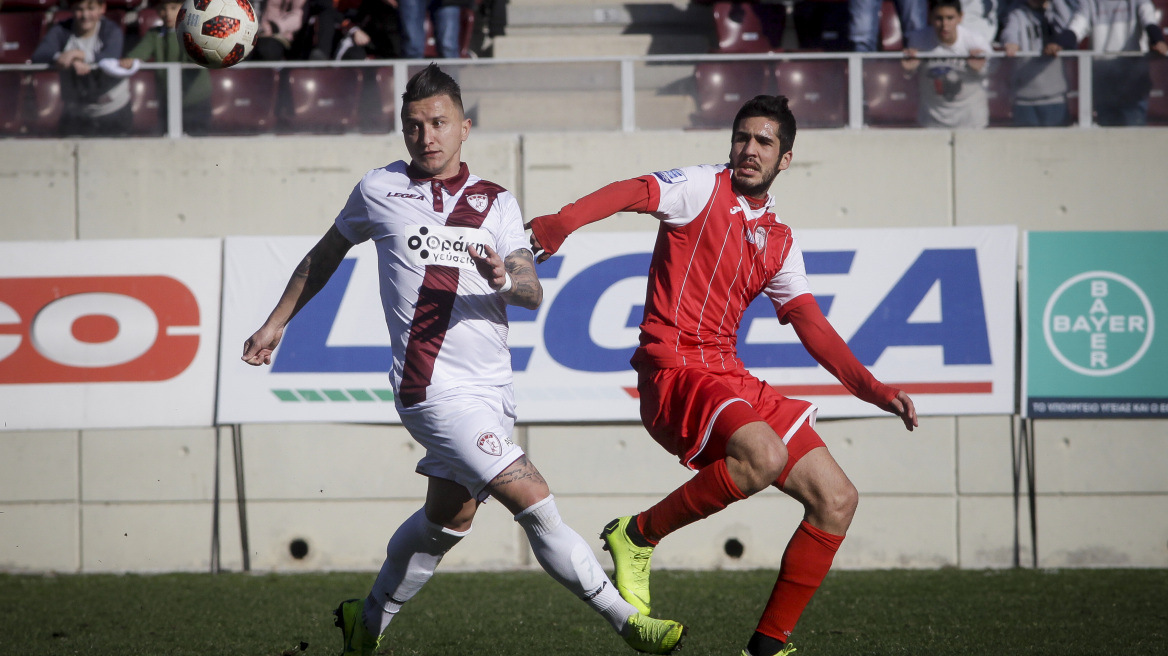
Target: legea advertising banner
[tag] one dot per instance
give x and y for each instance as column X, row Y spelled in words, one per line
column 929, row 310
column 1091, row 345
column 108, row 334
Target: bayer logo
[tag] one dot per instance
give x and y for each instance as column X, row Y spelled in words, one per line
column 1098, row 323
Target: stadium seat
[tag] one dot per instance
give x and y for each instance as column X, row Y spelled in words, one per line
column 822, row 25
column 43, row 115
column 145, row 104
column 466, row 26
column 28, row 5
column 377, row 101
column 1071, row 70
column 891, row 37
column 1158, row 96
column 998, row 92
column 323, row 100
column 20, row 32
column 747, row 27
column 890, row 100
column 147, row 19
column 817, row 90
column 11, row 98
column 722, row 87
column 243, row 101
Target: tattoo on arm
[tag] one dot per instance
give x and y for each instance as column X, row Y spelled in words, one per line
column 526, row 291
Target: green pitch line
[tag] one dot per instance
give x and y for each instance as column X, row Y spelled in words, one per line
column 333, row 395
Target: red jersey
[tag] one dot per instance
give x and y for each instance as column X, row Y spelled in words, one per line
column 715, row 252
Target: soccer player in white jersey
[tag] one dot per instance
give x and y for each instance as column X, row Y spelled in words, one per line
column 719, row 246
column 439, row 232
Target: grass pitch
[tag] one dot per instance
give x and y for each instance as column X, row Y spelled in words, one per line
column 1062, row 612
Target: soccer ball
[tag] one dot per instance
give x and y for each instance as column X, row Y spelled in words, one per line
column 217, row 33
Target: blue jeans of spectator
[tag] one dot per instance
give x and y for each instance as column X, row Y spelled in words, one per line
column 1040, row 116
column 864, row 28
column 1133, row 114
column 412, row 14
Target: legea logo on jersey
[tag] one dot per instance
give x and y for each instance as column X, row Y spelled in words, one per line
column 96, row 329
column 1098, row 323
column 442, row 245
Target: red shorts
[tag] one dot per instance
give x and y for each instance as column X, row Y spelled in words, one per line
column 693, row 413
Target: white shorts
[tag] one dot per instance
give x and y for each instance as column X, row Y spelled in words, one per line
column 467, row 434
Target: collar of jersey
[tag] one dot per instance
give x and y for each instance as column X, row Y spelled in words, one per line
column 451, row 184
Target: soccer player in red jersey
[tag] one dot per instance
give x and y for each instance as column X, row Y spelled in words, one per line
column 718, row 248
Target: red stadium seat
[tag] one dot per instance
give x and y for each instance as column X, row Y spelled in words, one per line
column 44, row 112
column 817, row 91
column 145, row 105
column 11, row 98
column 28, row 5
column 891, row 36
column 243, row 100
column 822, row 25
column 747, row 27
column 466, row 26
column 890, row 100
column 147, row 20
column 722, row 88
column 123, row 5
column 1071, row 70
column 20, row 32
column 377, row 102
column 1158, row 96
column 999, row 95
column 323, row 100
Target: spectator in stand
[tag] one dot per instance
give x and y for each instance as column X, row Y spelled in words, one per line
column 1033, row 28
column 86, row 48
column 981, row 16
column 1120, row 84
column 445, row 16
column 864, row 25
column 161, row 44
column 372, row 30
column 951, row 90
column 284, row 30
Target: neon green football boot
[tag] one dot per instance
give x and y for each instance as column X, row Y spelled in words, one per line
column 650, row 636
column 630, row 563
column 350, row 620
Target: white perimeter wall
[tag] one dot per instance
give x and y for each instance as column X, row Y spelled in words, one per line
column 141, row 500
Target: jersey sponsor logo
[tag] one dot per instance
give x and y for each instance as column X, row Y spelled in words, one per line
column 442, row 245
column 672, row 176
column 736, row 209
column 1098, row 323
column 402, row 194
column 90, row 329
column 489, row 444
column 478, row 201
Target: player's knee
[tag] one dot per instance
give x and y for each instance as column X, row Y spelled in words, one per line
column 842, row 504
column 766, row 465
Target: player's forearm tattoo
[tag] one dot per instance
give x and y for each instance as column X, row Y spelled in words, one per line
column 526, row 290
column 519, row 470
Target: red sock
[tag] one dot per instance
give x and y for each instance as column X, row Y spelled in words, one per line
column 706, row 493
column 805, row 563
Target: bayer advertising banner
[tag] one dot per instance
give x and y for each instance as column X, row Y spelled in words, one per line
column 108, row 334
column 1091, row 347
column 929, row 310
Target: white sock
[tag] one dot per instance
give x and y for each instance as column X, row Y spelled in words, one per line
column 413, row 553
column 564, row 554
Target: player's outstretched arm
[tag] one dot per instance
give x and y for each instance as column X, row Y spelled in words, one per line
column 309, row 277
column 549, row 231
column 514, row 278
column 830, row 350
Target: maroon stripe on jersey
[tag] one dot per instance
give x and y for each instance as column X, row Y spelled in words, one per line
column 437, row 296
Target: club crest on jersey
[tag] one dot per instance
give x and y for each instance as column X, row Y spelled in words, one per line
column 672, row 176
column 477, row 201
column 757, row 237
column 489, row 444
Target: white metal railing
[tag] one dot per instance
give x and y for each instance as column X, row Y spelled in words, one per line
column 626, row 67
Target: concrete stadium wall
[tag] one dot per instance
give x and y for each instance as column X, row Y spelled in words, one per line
column 142, row 500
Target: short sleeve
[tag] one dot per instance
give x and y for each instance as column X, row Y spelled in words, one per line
column 789, row 288
column 683, row 193
column 353, row 221
column 510, row 236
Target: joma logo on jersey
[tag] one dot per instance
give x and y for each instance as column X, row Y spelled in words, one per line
column 402, row 194
column 1098, row 323
column 96, row 329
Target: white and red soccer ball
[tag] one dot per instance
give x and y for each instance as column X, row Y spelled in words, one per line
column 217, row 33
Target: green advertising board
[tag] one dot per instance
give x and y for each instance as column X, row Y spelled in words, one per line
column 1091, row 348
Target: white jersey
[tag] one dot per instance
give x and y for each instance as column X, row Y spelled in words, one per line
column 448, row 327
column 952, row 92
